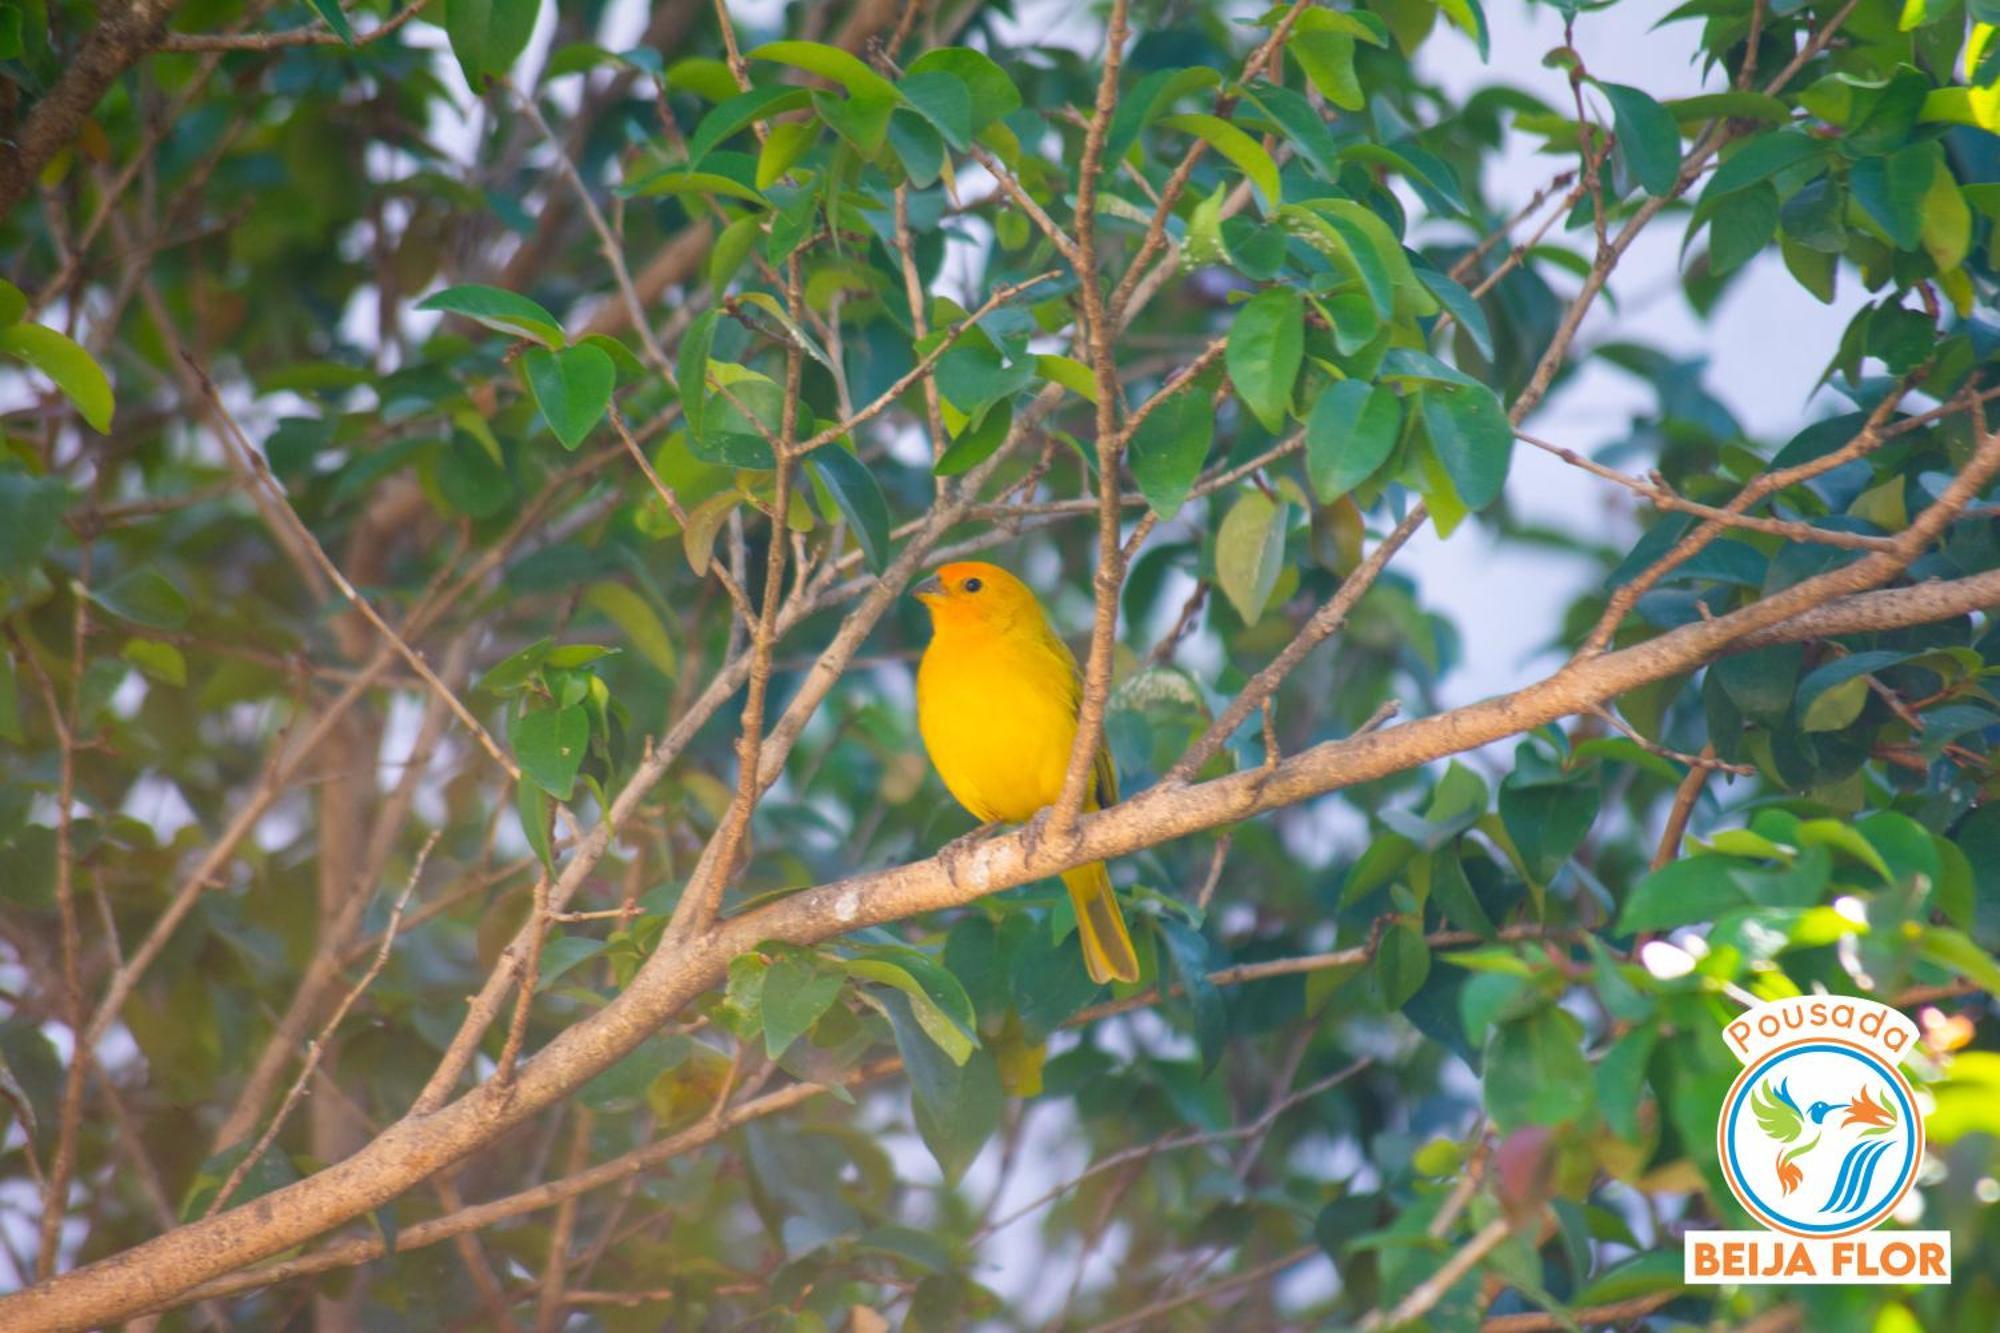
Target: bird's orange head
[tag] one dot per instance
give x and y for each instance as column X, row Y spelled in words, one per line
column 973, row 594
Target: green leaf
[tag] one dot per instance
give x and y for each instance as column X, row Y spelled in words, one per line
column 572, row 387
column 1463, row 308
column 1947, row 226
column 1351, row 432
column 1761, row 682
column 977, row 442
column 10, row 730
column 144, row 597
column 972, row 375
column 864, row 123
column 161, row 661
column 1641, row 1275
column 1328, row 61
column 1170, row 446
column 488, row 36
column 944, row 101
column 1294, row 116
column 692, row 368
column 854, row 489
column 565, row 953
column 1188, row 950
column 829, row 62
column 1694, row 111
column 1956, row 950
column 704, row 76
column 1250, row 552
column 1680, row 893
column 623, row 1086
column 957, row 1104
column 1069, row 372
column 1759, row 159
column 992, row 92
column 336, row 19
column 1547, row 820
column 1470, row 18
column 1832, row 696
column 637, row 620
column 1892, row 190
column 1840, row 836
column 502, row 311
column 512, row 673
column 1621, row 1079
column 1265, row 350
column 13, row 302
column 1535, row 1072
column 1245, row 152
column 74, row 370
column 678, row 180
column 917, row 144
column 788, row 141
column 1472, row 438
column 1402, row 962
column 739, row 113
column 549, row 745
column 1648, row 136
column 951, row 1034
column 1148, row 100
column 31, row 509
column 531, row 803
column 1740, row 227
column 797, row 990
column 273, row 1171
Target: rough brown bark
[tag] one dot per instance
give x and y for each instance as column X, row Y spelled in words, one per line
column 122, row 36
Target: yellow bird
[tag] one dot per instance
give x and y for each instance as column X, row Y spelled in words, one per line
column 997, row 700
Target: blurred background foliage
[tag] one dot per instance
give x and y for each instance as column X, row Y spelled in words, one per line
column 395, row 287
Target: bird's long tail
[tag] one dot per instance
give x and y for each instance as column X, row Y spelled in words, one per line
column 1100, row 926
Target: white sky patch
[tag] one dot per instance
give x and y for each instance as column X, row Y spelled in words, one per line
column 1665, row 961
column 157, row 802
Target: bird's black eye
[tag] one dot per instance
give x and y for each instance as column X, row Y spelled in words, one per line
column 972, row 585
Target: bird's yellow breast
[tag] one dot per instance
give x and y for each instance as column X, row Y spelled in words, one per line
column 998, row 715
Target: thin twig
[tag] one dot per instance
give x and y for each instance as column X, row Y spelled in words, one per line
column 313, row 35
column 317, row 1047
column 1176, row 1141
column 317, row 553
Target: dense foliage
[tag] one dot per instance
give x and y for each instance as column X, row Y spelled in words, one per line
column 455, row 507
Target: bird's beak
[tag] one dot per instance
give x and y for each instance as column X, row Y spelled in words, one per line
column 929, row 592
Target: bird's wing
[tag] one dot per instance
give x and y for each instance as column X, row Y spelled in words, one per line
column 1774, row 1116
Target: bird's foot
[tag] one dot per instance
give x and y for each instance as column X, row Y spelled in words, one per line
column 955, row 851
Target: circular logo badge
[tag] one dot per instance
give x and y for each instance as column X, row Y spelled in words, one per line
column 1820, row 1138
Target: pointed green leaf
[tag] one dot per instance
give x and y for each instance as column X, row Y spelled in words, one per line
column 144, row 597
column 1250, row 552
column 488, row 36
column 637, row 620
column 572, row 387
column 549, row 745
column 74, row 370
column 502, row 311
column 1471, row 437
column 1245, row 152
column 859, row 498
column 1265, row 350
column 1169, row 447
column 1351, row 432
column 1648, row 136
